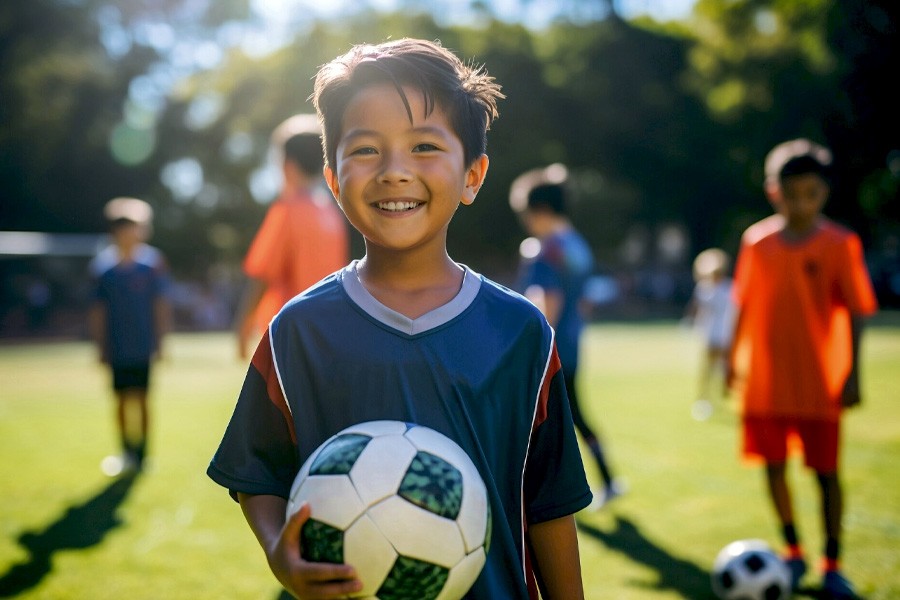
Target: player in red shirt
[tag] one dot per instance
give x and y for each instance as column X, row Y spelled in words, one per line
column 801, row 290
column 303, row 237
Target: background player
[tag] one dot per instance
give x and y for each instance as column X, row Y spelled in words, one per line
column 303, row 237
column 801, row 293
column 128, row 319
column 553, row 276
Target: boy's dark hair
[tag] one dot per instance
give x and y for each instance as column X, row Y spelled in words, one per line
column 305, row 151
column 803, row 165
column 548, row 196
column 797, row 157
column 540, row 189
column 465, row 92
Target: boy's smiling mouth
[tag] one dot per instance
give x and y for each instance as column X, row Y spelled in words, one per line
column 395, row 206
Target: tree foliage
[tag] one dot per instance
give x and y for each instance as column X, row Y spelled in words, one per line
column 662, row 124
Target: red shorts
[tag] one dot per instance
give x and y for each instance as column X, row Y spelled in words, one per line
column 771, row 438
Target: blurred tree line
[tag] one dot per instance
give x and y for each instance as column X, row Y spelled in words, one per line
column 664, row 125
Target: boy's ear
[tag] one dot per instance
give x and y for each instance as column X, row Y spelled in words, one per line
column 773, row 191
column 474, row 178
column 332, row 181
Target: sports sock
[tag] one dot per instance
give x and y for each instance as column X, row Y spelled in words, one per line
column 832, row 552
column 794, row 549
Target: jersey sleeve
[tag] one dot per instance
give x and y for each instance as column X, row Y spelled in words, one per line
column 257, row 454
column 855, row 284
column 555, row 484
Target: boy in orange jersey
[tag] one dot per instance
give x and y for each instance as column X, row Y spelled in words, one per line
column 801, row 291
column 303, row 237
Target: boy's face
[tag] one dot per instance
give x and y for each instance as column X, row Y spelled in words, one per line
column 802, row 198
column 128, row 233
column 400, row 182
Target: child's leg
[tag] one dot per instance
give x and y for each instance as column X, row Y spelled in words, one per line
column 590, row 438
column 143, row 426
column 820, row 444
column 780, row 493
column 122, row 417
column 832, row 512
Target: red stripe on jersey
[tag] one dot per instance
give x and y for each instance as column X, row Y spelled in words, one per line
column 553, row 367
column 262, row 362
column 530, row 580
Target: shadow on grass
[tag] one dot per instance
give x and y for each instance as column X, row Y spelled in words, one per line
column 675, row 574
column 81, row 526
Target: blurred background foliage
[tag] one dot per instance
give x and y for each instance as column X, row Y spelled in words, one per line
column 664, row 123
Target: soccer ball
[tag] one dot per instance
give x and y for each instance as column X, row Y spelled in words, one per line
column 750, row 570
column 401, row 503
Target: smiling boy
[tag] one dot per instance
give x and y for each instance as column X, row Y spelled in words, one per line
column 407, row 333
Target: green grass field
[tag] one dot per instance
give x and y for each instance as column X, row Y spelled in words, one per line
column 68, row 532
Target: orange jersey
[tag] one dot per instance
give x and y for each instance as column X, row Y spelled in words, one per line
column 793, row 347
column 302, row 239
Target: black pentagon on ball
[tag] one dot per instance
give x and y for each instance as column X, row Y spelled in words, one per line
column 773, row 592
column 726, row 580
column 411, row 579
column 339, row 455
column 320, row 542
column 433, row 484
column 754, row 562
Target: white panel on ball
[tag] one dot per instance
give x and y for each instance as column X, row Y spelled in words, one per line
column 442, row 546
column 462, row 575
column 370, row 553
column 473, row 513
column 376, row 428
column 380, row 468
column 333, row 500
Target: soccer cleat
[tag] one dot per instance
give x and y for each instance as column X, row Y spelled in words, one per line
column 797, row 567
column 114, row 466
column 837, row 587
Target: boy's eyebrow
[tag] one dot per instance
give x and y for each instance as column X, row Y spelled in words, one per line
column 422, row 129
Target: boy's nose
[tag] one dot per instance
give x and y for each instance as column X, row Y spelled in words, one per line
column 394, row 168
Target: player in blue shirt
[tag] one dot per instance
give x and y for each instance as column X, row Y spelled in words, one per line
column 406, row 333
column 555, row 266
column 128, row 319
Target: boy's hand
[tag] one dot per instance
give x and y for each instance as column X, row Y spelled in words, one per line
column 308, row 580
column 850, row 396
column 730, row 377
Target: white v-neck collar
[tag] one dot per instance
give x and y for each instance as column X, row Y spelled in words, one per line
column 434, row 318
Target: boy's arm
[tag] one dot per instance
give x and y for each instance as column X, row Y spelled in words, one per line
column 557, row 564
column 244, row 319
column 730, row 370
column 280, row 541
column 97, row 328
column 851, row 394
column 162, row 318
column 548, row 301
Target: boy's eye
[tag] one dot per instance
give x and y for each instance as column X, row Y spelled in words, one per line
column 424, row 147
column 363, row 150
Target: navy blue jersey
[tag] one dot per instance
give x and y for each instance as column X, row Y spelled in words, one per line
column 128, row 290
column 564, row 264
column 482, row 369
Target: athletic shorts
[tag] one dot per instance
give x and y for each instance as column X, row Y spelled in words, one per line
column 772, row 438
column 131, row 376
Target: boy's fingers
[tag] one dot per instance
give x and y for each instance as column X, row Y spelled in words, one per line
column 322, row 572
column 291, row 532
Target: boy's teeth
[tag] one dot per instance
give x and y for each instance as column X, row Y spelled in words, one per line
column 397, row 206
